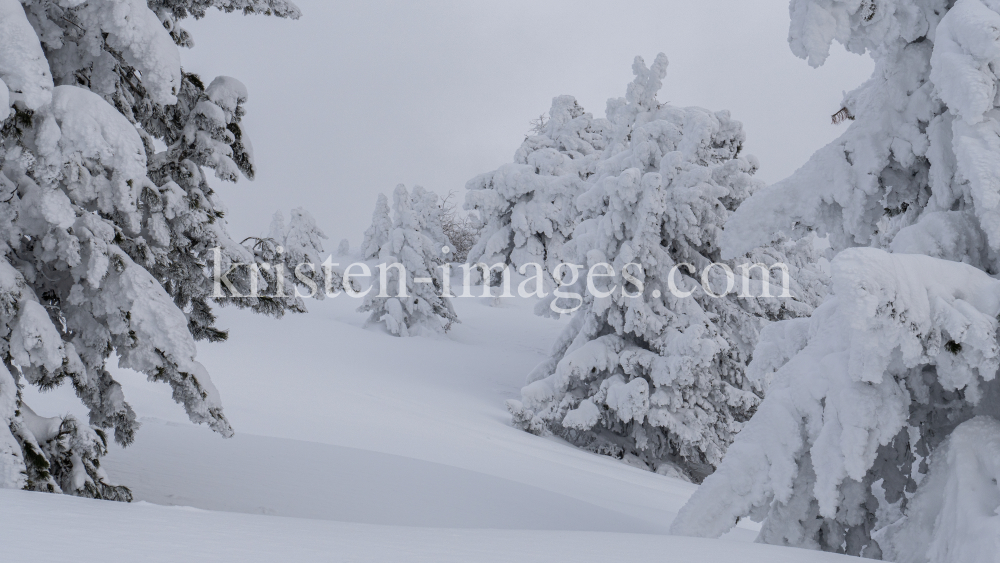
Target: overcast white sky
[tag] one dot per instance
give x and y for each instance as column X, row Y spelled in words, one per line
column 356, row 97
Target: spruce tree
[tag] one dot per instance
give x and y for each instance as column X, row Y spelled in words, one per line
column 378, row 233
column 292, row 257
column 108, row 243
column 641, row 372
column 413, row 297
column 877, row 436
column 526, row 209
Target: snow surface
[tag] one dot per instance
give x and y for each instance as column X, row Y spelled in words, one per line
column 379, row 448
column 196, row 535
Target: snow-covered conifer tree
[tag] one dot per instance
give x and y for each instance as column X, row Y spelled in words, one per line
column 378, row 233
column 641, row 373
column 344, row 248
column 414, row 250
column 108, row 244
column 867, row 443
column 527, row 209
column 297, row 248
column 302, row 240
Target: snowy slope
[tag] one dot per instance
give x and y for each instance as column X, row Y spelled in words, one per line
column 351, row 430
column 150, row 533
column 323, row 378
column 254, row 474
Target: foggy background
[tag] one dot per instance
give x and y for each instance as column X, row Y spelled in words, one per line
column 356, row 97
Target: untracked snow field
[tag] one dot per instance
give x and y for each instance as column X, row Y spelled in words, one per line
column 354, row 445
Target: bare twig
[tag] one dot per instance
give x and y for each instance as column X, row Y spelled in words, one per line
column 842, row 115
column 458, row 227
